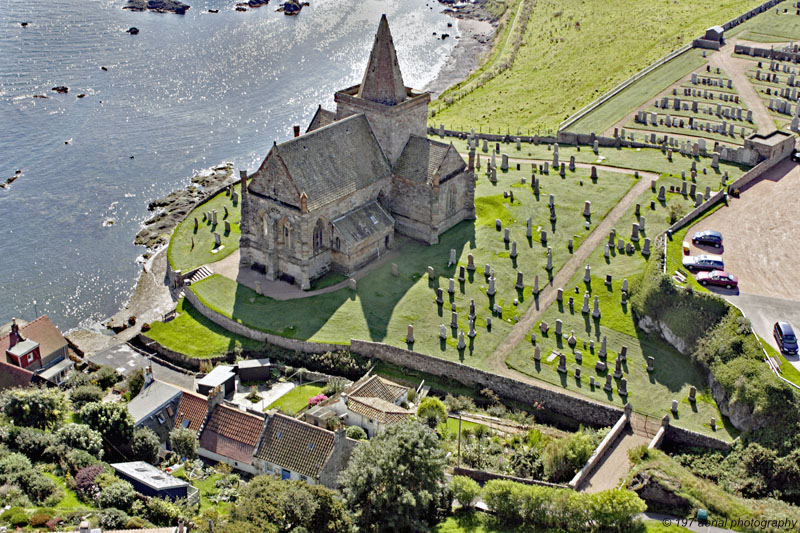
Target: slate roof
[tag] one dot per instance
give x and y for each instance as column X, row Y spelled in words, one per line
column 422, row 159
column 232, row 433
column 363, row 222
column 12, row 376
column 41, row 330
column 153, row 398
column 378, row 409
column 296, row 445
column 377, row 387
column 322, row 117
column 192, row 409
column 383, row 81
column 334, row 161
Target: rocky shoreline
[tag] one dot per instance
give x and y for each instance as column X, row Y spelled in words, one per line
column 158, row 6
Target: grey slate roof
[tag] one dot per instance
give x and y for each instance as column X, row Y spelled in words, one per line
column 383, row 82
column 362, row 223
column 423, row 158
column 321, row 118
column 334, row 161
column 151, row 399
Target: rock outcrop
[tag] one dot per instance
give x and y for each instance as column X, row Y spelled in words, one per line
column 159, row 6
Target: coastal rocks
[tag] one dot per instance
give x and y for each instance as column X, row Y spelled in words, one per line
column 174, row 207
column 133, row 30
column 11, row 180
column 292, row 7
column 159, row 6
column 60, row 89
column 252, row 3
column 475, row 10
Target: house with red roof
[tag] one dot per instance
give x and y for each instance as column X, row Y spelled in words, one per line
column 230, row 435
column 37, row 347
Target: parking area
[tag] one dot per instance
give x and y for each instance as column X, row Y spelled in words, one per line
column 760, row 232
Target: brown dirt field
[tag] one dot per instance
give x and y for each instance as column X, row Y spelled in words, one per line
column 760, row 234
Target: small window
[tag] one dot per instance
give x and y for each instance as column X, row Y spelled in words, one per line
column 338, row 243
column 30, row 357
column 160, row 419
column 373, row 219
column 185, row 423
column 310, row 446
column 279, row 435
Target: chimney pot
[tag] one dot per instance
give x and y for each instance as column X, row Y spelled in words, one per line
column 297, row 131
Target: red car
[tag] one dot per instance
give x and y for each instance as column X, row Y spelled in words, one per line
column 719, row 278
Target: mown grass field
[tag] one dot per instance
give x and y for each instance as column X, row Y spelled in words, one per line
column 769, row 27
column 575, row 51
column 297, row 398
column 383, row 306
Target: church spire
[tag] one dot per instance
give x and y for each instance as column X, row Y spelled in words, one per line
column 382, row 81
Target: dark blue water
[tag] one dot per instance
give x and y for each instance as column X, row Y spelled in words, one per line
column 186, row 93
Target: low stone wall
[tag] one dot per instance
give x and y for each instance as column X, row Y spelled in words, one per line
column 482, row 477
column 692, row 438
column 706, row 43
column 245, row 331
column 584, row 410
column 766, row 53
column 697, row 211
column 750, row 14
column 601, row 450
column 753, row 174
column 656, row 442
column 177, row 358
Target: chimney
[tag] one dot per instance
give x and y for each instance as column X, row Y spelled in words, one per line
column 339, row 437
column 148, row 376
column 15, row 336
column 180, row 528
column 296, row 130
column 84, row 527
column 472, row 160
column 303, row 202
column 243, row 176
column 215, row 398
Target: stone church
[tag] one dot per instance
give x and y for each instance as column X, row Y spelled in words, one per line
column 333, row 198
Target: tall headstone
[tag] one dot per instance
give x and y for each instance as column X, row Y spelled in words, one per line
column 596, row 310
column 410, row 334
column 585, row 306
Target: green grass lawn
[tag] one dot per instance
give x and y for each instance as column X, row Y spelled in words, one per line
column 192, row 333
column 649, row 159
column 383, row 306
column 208, row 489
column 70, row 501
column 574, row 51
column 788, row 371
column 769, row 27
column 297, row 398
column 649, row 393
column 451, row 427
column 189, row 249
column 639, row 92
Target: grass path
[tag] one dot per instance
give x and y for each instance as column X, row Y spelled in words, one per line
column 497, row 361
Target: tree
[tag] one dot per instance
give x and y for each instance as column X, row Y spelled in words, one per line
column 145, row 445
column 465, row 490
column 615, row 510
column 395, row 481
column 135, row 382
column 106, row 377
column 356, row 433
column 38, row 407
column 119, row 494
column 184, row 442
column 111, row 420
column 81, row 437
column 84, row 394
column 267, row 502
column 432, row 411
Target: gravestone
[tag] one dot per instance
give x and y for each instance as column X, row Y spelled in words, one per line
column 621, row 245
column 227, row 227
column 572, row 163
column 625, row 285
column 462, row 274
column 439, row 296
column 395, row 270
column 431, row 272
column 491, row 290
column 472, row 331
column 217, row 241
column 562, row 363
column 504, row 163
column 461, row 342
column 578, row 373
column 519, row 284
column 569, row 245
column 571, row 340
column 623, row 387
column 618, row 368
column 641, row 223
column 513, row 252
column 594, row 173
column 472, row 309
column 585, row 306
column 235, row 198
column 551, row 200
column 225, row 210
column 635, row 232
column 623, row 353
column 612, row 237
column 624, row 299
column 602, row 352
column 638, row 210
column 487, row 270
column 452, row 260
column 662, row 196
column 214, row 216
column 543, row 236
column 587, row 208
column 560, row 295
column 544, row 327
column 596, row 310
column 451, row 286
column 529, row 228
column 506, row 236
column 549, row 265
column 674, row 408
column 559, row 325
column 692, row 394
column 410, row 334
column 608, row 387
column 442, row 332
column 591, row 382
column 195, row 224
column 453, row 319
column 651, row 361
column 646, row 247
column 607, row 252
column 470, row 263
column 698, row 200
column 587, row 274
column 563, row 171
column 352, row 283
column 536, row 284
column 537, row 354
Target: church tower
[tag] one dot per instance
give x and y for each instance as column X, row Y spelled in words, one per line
column 394, row 111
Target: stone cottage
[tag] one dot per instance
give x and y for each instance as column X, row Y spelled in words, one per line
column 333, row 198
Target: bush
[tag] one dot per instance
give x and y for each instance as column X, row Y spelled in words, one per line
column 134, row 522
column 15, row 516
column 41, row 489
column 33, row 442
column 562, row 458
column 106, row 377
column 432, row 411
column 111, row 519
column 161, row 512
column 81, row 437
column 135, row 383
column 79, row 459
column 456, row 404
column 111, row 420
column 335, row 385
column 145, row 445
column 317, row 399
column 356, row 433
column 85, row 481
column 40, row 519
column 465, row 490
column 77, row 379
column 84, row 394
column 184, row 442
column 119, row 494
column 13, row 466
column 38, row 407
column 13, row 495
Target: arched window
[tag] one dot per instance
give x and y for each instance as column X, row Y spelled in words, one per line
column 317, row 237
column 265, row 224
column 286, row 235
column 338, row 243
column 451, row 200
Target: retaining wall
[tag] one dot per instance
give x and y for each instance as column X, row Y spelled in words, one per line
column 600, row 451
column 583, row 410
column 692, row 438
column 697, row 211
column 766, row 53
column 246, row 331
column 482, row 477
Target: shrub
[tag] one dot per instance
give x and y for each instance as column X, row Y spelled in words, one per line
column 161, row 512
column 315, row 400
column 432, row 411
column 335, row 385
column 562, row 458
column 119, row 494
column 12, row 466
column 106, row 377
column 456, row 404
column 81, row 437
column 145, row 445
column 84, row 481
column 111, row 420
column 15, row 516
column 465, row 490
column 41, row 489
column 112, row 518
column 84, row 394
column 13, row 495
column 135, row 382
column 33, row 442
column 134, row 522
column 79, row 459
column 37, row 407
column 39, row 519
column 77, row 379
column 356, row 433
column 184, row 442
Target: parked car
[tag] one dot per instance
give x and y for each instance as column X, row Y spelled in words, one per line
column 703, row 262
column 711, row 237
column 785, row 337
column 719, row 278
column 796, row 156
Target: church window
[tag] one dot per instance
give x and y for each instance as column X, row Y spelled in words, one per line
column 317, row 238
column 451, row 201
column 338, row 243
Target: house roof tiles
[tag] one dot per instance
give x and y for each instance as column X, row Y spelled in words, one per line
column 232, row 433
column 296, row 445
column 41, row 330
column 192, row 411
column 377, row 387
column 378, row 409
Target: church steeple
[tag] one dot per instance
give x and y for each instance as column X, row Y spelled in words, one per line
column 383, row 82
